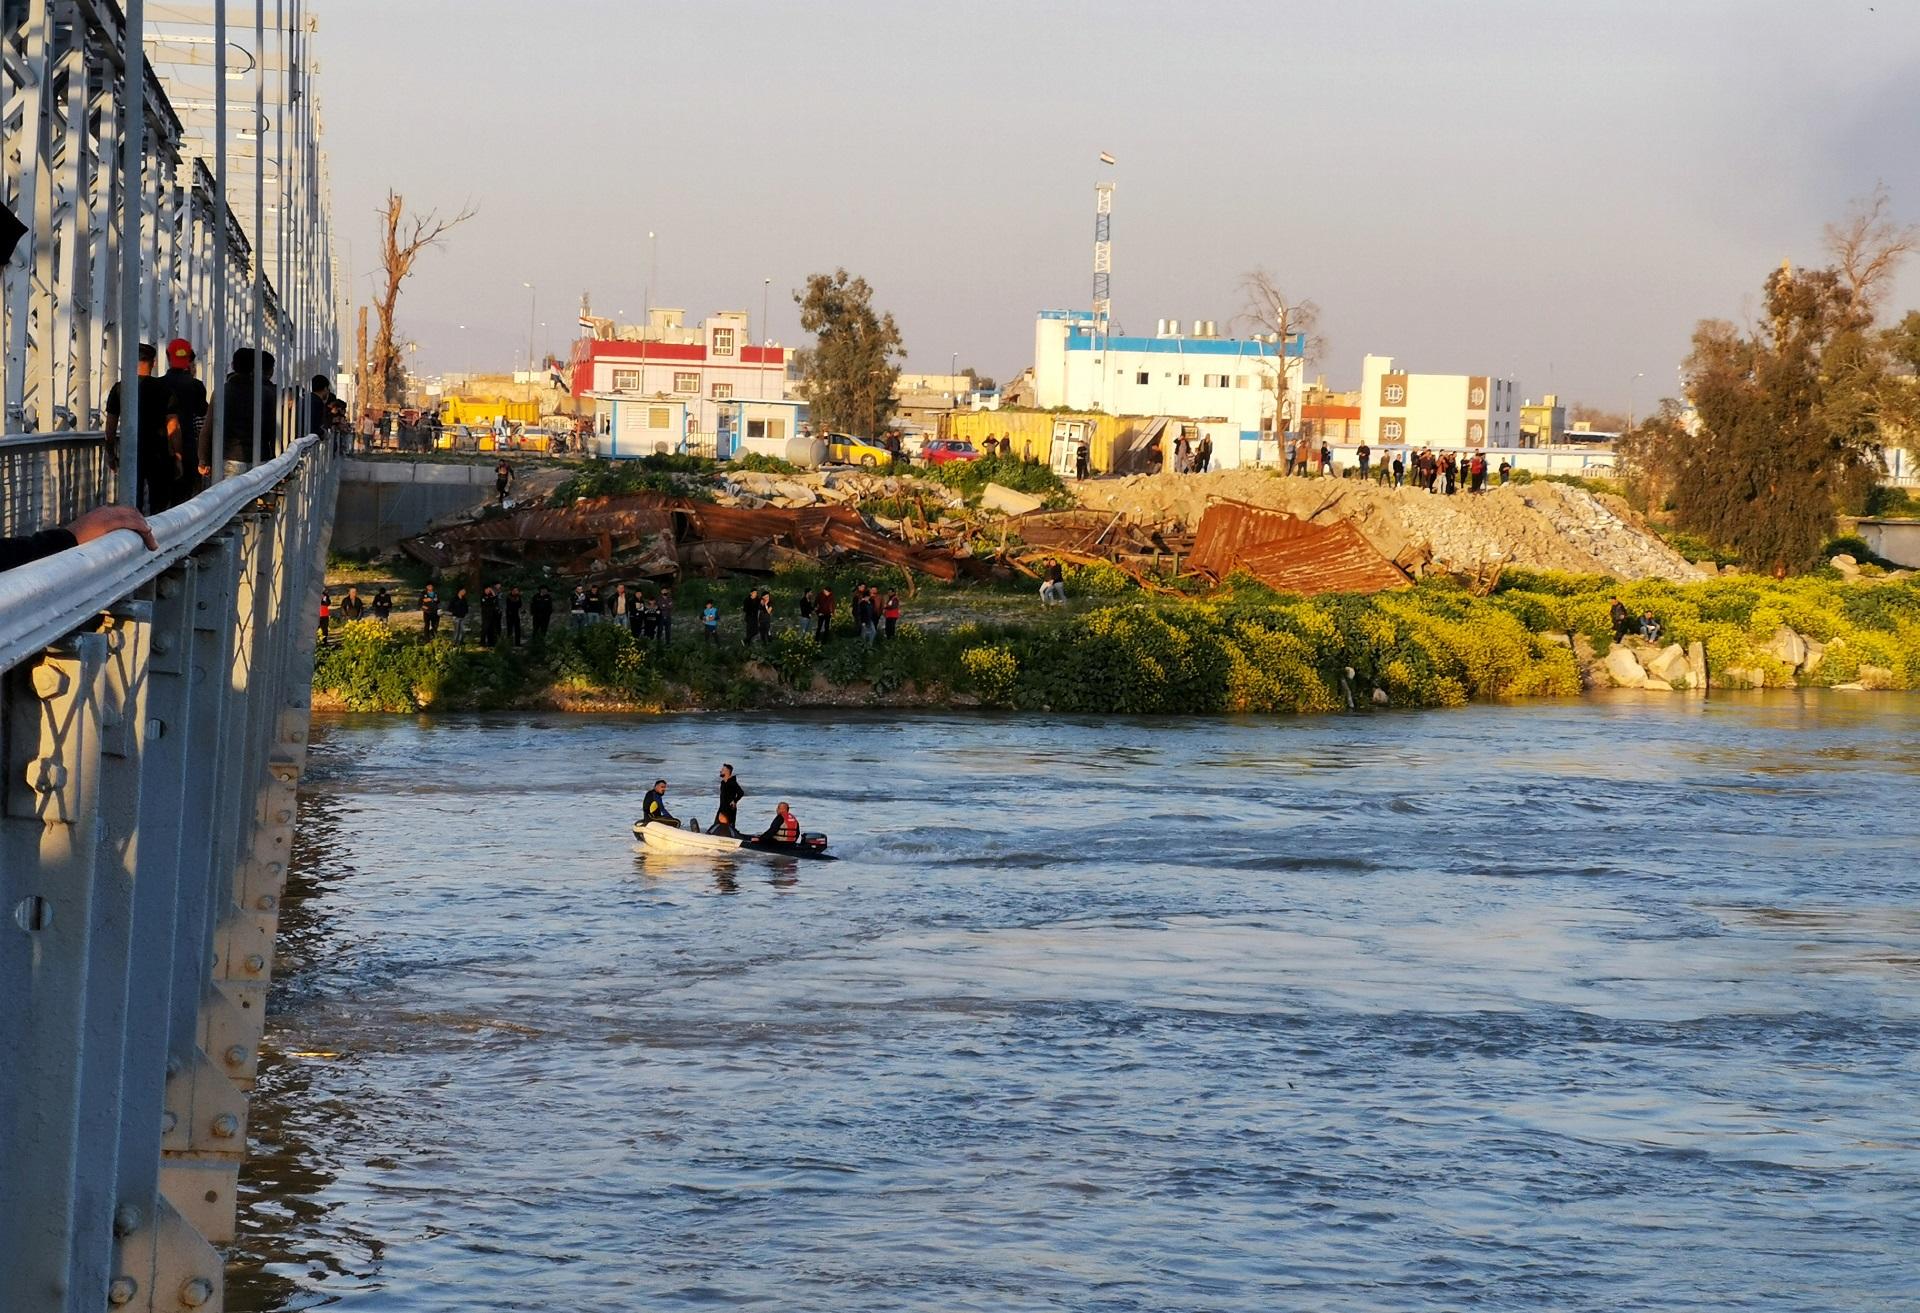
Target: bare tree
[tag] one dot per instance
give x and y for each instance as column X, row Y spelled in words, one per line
column 402, row 238
column 1269, row 311
column 1869, row 246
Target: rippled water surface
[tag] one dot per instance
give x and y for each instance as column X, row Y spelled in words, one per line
column 1607, row 1005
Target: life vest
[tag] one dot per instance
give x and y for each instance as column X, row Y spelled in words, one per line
column 789, row 831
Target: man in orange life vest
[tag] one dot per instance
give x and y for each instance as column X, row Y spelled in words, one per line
column 785, row 827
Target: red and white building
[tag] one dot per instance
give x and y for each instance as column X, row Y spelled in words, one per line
column 709, row 368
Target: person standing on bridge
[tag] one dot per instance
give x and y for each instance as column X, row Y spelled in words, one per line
column 430, row 613
column 236, row 413
column 186, row 414
column 159, row 474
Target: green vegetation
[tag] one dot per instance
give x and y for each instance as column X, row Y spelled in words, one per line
column 971, row 477
column 754, row 463
column 849, row 372
column 676, row 476
column 1242, row 648
column 1791, row 412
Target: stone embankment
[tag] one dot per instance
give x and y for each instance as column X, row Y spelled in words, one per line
column 1789, row 657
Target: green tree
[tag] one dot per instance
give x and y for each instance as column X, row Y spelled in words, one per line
column 847, row 376
column 1788, row 425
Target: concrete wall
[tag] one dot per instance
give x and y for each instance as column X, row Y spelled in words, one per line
column 1897, row 540
column 383, row 501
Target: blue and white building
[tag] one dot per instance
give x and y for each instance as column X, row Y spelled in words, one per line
column 1232, row 384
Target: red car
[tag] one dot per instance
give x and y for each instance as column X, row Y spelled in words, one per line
column 938, row 451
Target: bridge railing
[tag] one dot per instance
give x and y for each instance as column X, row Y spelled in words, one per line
column 48, row 478
column 153, row 721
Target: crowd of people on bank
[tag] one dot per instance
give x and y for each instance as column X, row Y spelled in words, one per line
column 1445, row 472
column 503, row 614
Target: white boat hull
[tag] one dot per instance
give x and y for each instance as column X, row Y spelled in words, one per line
column 667, row 839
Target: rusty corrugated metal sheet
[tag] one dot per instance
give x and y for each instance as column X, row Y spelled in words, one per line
column 1288, row 553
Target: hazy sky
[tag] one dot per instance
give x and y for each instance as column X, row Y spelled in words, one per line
column 1552, row 190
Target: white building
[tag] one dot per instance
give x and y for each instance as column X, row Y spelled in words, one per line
column 1198, row 376
column 1435, row 410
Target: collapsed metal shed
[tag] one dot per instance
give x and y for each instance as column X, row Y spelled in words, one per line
column 1290, row 554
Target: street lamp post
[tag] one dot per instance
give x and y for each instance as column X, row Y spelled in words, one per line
column 1632, row 386
column 533, row 297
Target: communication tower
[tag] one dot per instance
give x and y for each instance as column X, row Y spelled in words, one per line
column 1102, row 257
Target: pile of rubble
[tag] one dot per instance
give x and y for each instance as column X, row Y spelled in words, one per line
column 1548, row 526
column 830, row 487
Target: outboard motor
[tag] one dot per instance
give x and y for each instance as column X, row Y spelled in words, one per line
column 814, row 842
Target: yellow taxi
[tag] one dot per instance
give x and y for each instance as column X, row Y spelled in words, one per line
column 845, row 449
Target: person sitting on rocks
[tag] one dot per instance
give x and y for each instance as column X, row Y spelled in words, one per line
column 1649, row 626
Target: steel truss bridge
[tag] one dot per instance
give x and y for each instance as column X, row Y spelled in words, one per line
column 166, row 163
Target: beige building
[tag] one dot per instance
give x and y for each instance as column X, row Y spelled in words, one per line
column 1543, row 424
column 1398, row 408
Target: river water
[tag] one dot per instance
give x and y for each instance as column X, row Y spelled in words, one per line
column 1589, row 1005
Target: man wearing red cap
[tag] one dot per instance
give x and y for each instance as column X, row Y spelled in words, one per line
column 186, row 410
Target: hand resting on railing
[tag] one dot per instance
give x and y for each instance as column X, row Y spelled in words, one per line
column 96, row 523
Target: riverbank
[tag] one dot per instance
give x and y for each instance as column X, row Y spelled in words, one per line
column 1242, row 648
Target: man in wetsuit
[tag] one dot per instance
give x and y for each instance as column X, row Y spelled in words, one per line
column 730, row 795
column 653, row 809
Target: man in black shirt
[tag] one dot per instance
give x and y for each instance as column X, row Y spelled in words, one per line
column 542, row 611
column 511, row 605
column 489, row 617
column 236, row 411
column 458, row 609
column 159, row 474
column 730, row 795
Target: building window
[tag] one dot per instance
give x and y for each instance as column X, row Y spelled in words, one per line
column 723, row 341
column 1186, row 380
column 774, row 429
column 686, row 381
column 723, row 391
column 1141, row 378
column 626, row 380
column 1242, row 381
column 756, row 428
column 659, row 417
column 1214, row 380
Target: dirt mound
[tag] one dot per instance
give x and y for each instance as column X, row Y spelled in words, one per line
column 1547, row 526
